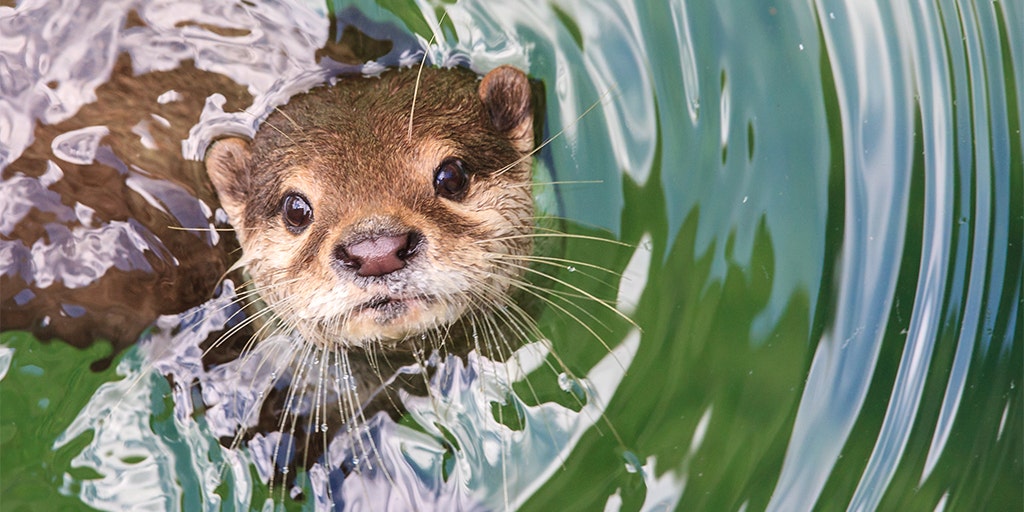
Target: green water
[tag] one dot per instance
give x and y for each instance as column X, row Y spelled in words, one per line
column 824, row 206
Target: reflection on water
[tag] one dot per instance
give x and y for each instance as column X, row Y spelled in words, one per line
column 929, row 161
column 827, row 202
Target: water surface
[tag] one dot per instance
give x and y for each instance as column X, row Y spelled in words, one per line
column 824, row 206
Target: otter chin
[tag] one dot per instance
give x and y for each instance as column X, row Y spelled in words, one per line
column 381, row 208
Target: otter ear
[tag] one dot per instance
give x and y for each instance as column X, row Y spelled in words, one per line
column 506, row 93
column 227, row 165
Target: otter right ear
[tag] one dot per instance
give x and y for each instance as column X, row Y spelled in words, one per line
column 227, row 165
column 506, row 93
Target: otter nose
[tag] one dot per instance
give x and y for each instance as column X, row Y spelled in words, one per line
column 380, row 255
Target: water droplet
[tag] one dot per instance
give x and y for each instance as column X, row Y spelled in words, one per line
column 633, row 464
column 168, row 97
column 572, row 385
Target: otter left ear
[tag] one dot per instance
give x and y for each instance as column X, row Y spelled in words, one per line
column 227, row 165
column 506, row 93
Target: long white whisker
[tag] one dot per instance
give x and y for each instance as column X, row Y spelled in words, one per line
column 555, row 136
column 553, row 235
column 419, row 72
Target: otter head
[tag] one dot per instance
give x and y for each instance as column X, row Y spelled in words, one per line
column 356, row 230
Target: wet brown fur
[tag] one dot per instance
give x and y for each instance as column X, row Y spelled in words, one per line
column 123, row 303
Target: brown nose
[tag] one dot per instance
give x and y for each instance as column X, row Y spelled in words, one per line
column 380, row 255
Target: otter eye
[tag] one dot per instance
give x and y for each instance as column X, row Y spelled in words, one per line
column 451, row 180
column 296, row 211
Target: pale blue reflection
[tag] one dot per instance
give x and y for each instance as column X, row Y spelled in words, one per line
column 871, row 82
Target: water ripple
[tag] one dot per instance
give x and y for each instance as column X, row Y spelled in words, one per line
column 877, row 160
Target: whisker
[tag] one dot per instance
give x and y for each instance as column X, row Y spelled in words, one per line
column 267, row 311
column 561, row 363
column 561, row 263
column 288, row 117
column 581, row 294
column 555, row 136
column 269, row 124
column 419, row 72
column 546, row 183
column 497, row 331
column 206, row 229
column 578, row 321
column 525, row 327
column 553, row 235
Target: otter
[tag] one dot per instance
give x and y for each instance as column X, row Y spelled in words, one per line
column 379, row 225
column 375, row 240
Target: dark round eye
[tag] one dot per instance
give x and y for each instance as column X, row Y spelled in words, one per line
column 296, row 211
column 451, row 180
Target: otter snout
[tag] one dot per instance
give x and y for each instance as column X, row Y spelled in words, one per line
column 378, row 255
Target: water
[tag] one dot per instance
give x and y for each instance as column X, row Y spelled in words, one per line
column 824, row 203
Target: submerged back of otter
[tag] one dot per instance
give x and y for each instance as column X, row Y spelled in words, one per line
column 361, row 229
column 106, row 225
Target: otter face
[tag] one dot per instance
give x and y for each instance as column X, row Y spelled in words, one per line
column 356, row 230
